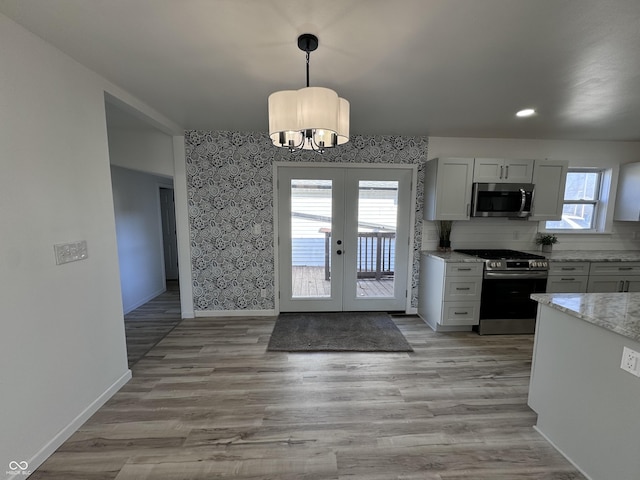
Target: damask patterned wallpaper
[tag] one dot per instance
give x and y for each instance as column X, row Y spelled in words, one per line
column 230, row 189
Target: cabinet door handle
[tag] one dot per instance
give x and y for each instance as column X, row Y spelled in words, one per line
column 567, row 279
column 506, row 170
column 463, row 288
column 626, row 285
column 624, row 268
column 460, row 313
column 501, row 169
column 464, row 269
column 568, row 268
column 620, row 286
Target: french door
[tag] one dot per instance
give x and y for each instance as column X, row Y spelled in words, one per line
column 343, row 237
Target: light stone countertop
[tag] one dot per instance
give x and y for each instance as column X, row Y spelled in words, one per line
column 451, row 256
column 556, row 256
column 592, row 255
column 617, row 312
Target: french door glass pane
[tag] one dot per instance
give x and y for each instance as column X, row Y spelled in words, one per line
column 377, row 224
column 310, row 238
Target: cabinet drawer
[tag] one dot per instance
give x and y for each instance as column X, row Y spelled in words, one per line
column 567, row 283
column 460, row 313
column 615, row 268
column 462, row 289
column 464, row 270
column 571, row 268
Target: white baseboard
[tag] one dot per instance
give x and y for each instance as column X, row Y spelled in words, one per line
column 535, row 427
column 64, row 434
column 235, row 313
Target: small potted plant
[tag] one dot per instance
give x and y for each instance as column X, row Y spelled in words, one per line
column 444, row 235
column 546, row 240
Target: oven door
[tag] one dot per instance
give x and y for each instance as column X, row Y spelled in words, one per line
column 505, row 306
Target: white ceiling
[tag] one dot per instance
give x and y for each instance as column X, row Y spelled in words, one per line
column 411, row 67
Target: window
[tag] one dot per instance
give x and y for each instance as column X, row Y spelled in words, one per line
column 581, row 201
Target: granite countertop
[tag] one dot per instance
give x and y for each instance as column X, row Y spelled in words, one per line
column 452, row 256
column 556, row 256
column 617, row 312
column 592, row 256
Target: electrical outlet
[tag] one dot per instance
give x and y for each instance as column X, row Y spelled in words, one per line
column 630, row 361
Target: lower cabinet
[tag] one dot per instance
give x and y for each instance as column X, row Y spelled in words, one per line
column 449, row 294
column 614, row 277
column 568, row 277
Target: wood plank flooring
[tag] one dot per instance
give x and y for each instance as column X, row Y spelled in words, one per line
column 147, row 325
column 209, row 402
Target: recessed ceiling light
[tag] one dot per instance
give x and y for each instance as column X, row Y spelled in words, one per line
column 527, row 112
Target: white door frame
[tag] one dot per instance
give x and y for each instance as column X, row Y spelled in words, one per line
column 412, row 215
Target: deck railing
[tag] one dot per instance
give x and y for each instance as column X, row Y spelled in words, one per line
column 376, row 254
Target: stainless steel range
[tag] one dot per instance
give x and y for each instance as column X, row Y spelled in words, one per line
column 509, row 278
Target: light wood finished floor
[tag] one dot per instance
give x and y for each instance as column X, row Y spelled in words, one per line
column 208, row 402
column 145, row 326
column 310, row 282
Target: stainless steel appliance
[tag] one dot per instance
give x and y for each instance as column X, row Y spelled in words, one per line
column 509, row 278
column 502, row 200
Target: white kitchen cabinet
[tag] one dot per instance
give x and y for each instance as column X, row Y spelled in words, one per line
column 447, row 188
column 449, row 294
column 614, row 277
column 549, row 178
column 568, row 277
column 498, row 170
column 628, row 197
column 613, row 283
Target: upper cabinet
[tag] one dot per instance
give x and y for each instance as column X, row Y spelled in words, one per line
column 549, row 177
column 448, row 185
column 498, row 170
column 447, row 188
column 628, row 198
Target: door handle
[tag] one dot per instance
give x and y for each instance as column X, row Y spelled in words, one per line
column 501, row 170
column 506, row 170
column 339, row 252
column 626, row 285
column 339, row 242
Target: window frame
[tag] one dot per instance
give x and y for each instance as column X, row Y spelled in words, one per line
column 599, row 204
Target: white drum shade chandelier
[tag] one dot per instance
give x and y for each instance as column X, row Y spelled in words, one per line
column 312, row 118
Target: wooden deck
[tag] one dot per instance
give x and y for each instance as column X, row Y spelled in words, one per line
column 310, row 282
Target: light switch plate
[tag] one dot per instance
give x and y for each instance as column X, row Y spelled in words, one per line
column 70, row 252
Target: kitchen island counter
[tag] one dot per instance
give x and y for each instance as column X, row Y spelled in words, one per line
column 617, row 312
column 586, row 404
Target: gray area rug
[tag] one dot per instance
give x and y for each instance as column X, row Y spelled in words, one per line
column 337, row 332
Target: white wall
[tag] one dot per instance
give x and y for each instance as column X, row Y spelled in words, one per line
column 143, row 150
column 62, row 345
column 504, row 233
column 136, row 204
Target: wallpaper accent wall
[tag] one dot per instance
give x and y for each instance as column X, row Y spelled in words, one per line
column 230, row 189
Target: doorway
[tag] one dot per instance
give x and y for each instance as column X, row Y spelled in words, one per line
column 343, row 237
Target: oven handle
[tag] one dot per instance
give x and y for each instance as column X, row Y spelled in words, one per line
column 515, row 275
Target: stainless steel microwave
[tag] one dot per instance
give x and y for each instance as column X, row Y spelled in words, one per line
column 502, row 200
